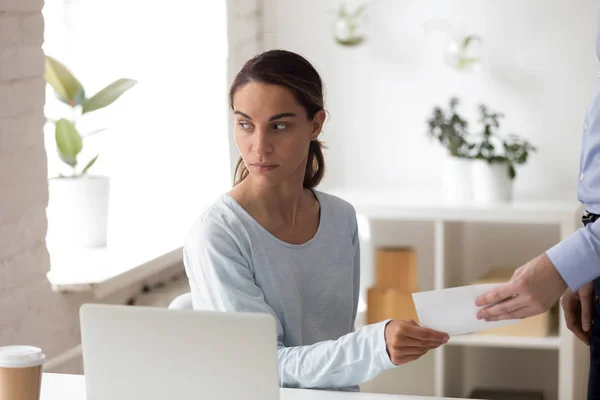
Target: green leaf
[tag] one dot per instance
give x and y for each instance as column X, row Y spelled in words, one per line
column 468, row 39
column 108, row 95
column 88, row 166
column 71, row 161
column 68, row 141
column 465, row 63
column 66, row 87
column 511, row 171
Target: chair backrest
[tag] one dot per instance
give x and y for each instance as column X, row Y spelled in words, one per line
column 182, row 302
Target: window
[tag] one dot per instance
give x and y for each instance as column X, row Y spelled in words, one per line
column 166, row 147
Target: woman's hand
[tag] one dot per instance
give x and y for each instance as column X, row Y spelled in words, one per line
column 406, row 341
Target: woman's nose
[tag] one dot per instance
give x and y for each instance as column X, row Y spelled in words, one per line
column 262, row 143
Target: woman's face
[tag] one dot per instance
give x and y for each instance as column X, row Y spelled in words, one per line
column 273, row 132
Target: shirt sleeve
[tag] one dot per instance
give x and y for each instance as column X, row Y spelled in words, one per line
column 221, row 280
column 577, row 258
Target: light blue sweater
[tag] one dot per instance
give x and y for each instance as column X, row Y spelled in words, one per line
column 234, row 264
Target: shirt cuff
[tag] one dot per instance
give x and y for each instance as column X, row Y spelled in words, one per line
column 381, row 346
column 574, row 261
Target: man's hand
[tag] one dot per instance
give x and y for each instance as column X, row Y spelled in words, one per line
column 532, row 290
column 406, row 341
column 577, row 307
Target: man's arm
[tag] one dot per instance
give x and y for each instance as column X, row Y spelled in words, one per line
column 577, row 258
column 537, row 285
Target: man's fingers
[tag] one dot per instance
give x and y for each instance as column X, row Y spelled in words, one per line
column 501, row 309
column 578, row 331
column 571, row 309
column 522, row 312
column 585, row 297
column 503, row 292
column 583, row 336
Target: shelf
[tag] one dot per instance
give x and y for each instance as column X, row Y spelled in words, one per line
column 458, row 242
column 409, row 206
column 514, row 342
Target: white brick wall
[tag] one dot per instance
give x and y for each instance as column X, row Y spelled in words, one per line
column 30, row 313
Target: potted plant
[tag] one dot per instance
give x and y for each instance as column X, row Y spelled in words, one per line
column 450, row 130
column 78, row 200
column 495, row 160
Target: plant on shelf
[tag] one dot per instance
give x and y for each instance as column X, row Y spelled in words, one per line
column 347, row 26
column 68, row 90
column 480, row 167
column 495, row 149
column 450, row 129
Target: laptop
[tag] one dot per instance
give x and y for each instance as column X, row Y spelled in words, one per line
column 134, row 352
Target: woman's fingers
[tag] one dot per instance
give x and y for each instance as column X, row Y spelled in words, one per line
column 402, row 341
column 423, row 334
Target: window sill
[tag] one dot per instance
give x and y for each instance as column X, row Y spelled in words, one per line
column 106, row 270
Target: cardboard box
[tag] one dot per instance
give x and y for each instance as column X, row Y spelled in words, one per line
column 540, row 325
column 396, row 268
column 386, row 303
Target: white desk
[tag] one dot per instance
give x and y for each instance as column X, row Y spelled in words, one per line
column 72, row 387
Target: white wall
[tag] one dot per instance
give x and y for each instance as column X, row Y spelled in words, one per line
column 539, row 69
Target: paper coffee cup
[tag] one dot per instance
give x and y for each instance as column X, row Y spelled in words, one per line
column 21, row 372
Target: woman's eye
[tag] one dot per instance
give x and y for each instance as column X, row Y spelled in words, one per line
column 279, row 127
column 244, row 125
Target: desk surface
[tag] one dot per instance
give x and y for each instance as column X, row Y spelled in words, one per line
column 72, row 387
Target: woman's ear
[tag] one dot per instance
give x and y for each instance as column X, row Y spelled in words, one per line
column 317, row 124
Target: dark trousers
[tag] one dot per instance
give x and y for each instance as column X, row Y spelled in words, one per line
column 594, row 377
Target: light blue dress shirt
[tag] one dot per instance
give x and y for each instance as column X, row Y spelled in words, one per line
column 577, row 258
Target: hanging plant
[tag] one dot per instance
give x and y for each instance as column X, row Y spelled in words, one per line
column 462, row 53
column 348, row 27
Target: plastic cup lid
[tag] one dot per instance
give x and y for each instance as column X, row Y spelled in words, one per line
column 21, row 357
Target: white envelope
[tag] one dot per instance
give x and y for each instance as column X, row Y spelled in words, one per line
column 453, row 310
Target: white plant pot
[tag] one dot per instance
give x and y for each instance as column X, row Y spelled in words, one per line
column 78, row 211
column 491, row 183
column 456, row 180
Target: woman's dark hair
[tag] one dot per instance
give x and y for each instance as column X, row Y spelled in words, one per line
column 284, row 68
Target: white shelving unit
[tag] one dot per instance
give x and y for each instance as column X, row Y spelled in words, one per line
column 562, row 354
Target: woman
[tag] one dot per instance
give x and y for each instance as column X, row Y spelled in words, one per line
column 273, row 244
